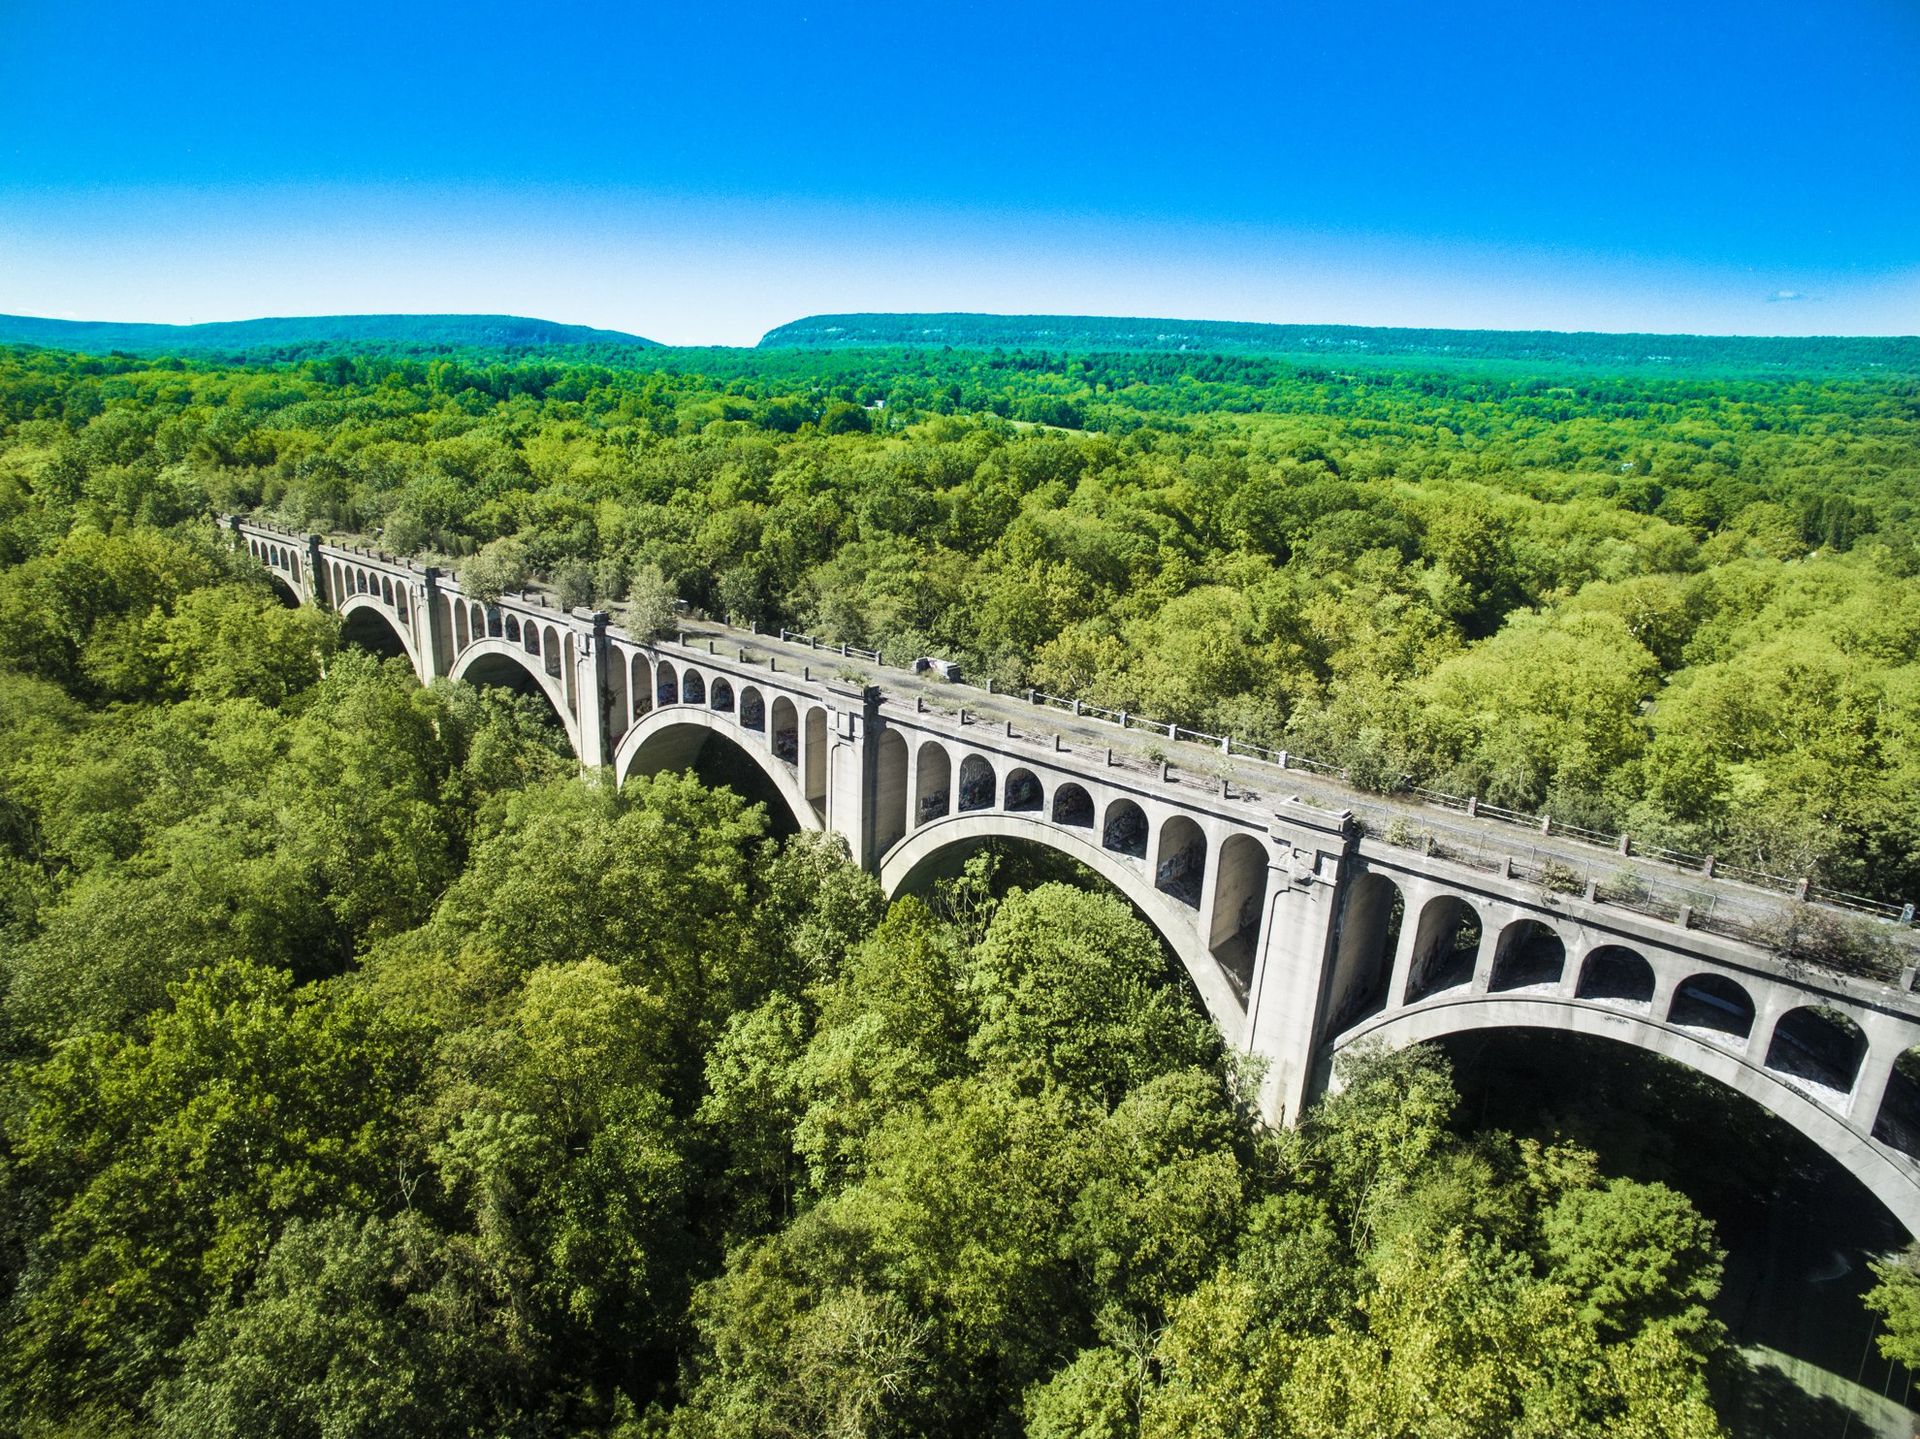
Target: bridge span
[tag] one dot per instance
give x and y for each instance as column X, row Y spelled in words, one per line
column 1309, row 918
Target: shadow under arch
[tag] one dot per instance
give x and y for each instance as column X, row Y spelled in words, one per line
column 918, row 857
column 1797, row 1227
column 1894, row 1183
column 287, row 591
column 365, row 623
column 498, row 662
column 683, row 737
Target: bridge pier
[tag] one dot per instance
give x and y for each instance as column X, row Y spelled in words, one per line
column 1293, row 966
column 437, row 646
column 853, row 782
column 595, row 695
column 316, row 586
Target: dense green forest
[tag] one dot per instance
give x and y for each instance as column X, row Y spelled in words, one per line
column 369, row 1071
column 1082, row 334
column 1683, row 606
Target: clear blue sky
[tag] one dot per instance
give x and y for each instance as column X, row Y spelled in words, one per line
column 700, row 174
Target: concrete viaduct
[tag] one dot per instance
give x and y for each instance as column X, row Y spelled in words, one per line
column 1304, row 930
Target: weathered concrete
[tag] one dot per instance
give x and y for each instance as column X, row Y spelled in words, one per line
column 1303, row 934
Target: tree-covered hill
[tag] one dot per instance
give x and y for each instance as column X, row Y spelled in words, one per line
column 1090, row 334
column 252, row 338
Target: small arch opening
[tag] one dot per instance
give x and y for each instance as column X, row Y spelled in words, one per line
column 513, row 629
column 642, row 686
column 933, row 790
column 1531, row 955
column 1023, row 793
column 1072, row 805
column 1898, row 1122
column 753, row 709
column 618, row 705
column 813, row 760
column 1239, row 905
column 693, row 688
column 1819, row 1046
column 1445, row 947
column 785, row 733
column 1125, row 831
column 666, row 684
column 976, row 784
column 1180, row 869
column 1712, row 1002
column 1370, row 923
column 890, row 790
column 1614, row 974
column 720, row 696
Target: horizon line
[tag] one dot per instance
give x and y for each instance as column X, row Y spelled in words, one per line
column 948, row 314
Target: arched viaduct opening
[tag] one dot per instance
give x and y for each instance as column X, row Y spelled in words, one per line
column 699, row 742
column 1033, row 850
column 1210, row 890
column 370, row 629
column 1798, row 1226
column 284, row 591
column 503, row 669
column 1026, row 862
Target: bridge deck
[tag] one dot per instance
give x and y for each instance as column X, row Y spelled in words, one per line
column 1715, row 903
column 1570, row 863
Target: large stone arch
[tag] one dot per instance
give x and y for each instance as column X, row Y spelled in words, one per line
column 1894, row 1183
column 499, row 661
column 671, row 739
column 285, row 588
column 363, row 612
column 1175, row 924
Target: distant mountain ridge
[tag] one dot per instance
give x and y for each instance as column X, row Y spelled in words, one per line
column 505, row 332
column 1097, row 333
